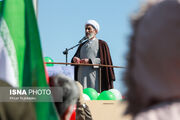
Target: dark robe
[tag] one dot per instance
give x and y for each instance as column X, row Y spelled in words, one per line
column 107, row 73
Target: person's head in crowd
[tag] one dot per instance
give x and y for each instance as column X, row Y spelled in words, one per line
column 146, row 4
column 153, row 69
column 69, row 95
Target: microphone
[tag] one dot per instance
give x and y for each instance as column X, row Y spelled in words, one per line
column 84, row 38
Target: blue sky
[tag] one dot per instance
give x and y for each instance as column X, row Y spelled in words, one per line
column 61, row 24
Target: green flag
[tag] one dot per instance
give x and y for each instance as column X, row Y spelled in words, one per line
column 21, row 61
column 1, row 3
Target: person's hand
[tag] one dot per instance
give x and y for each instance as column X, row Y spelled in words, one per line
column 85, row 61
column 76, row 60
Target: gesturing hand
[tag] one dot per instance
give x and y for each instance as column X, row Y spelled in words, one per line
column 76, row 60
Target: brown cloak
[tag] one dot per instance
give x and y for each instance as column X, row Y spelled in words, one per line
column 107, row 73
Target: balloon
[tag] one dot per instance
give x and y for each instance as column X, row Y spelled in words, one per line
column 86, row 97
column 116, row 93
column 91, row 93
column 106, row 95
column 48, row 59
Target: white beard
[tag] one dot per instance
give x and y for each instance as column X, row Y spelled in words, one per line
column 91, row 35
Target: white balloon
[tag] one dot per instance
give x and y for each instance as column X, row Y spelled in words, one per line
column 86, row 97
column 116, row 93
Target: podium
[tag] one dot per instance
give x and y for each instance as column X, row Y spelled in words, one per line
column 108, row 109
column 81, row 64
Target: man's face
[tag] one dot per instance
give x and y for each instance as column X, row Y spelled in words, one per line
column 90, row 31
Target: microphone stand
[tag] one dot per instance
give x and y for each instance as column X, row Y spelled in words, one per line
column 65, row 52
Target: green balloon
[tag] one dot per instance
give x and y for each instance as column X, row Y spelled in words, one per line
column 48, row 59
column 106, row 95
column 92, row 93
